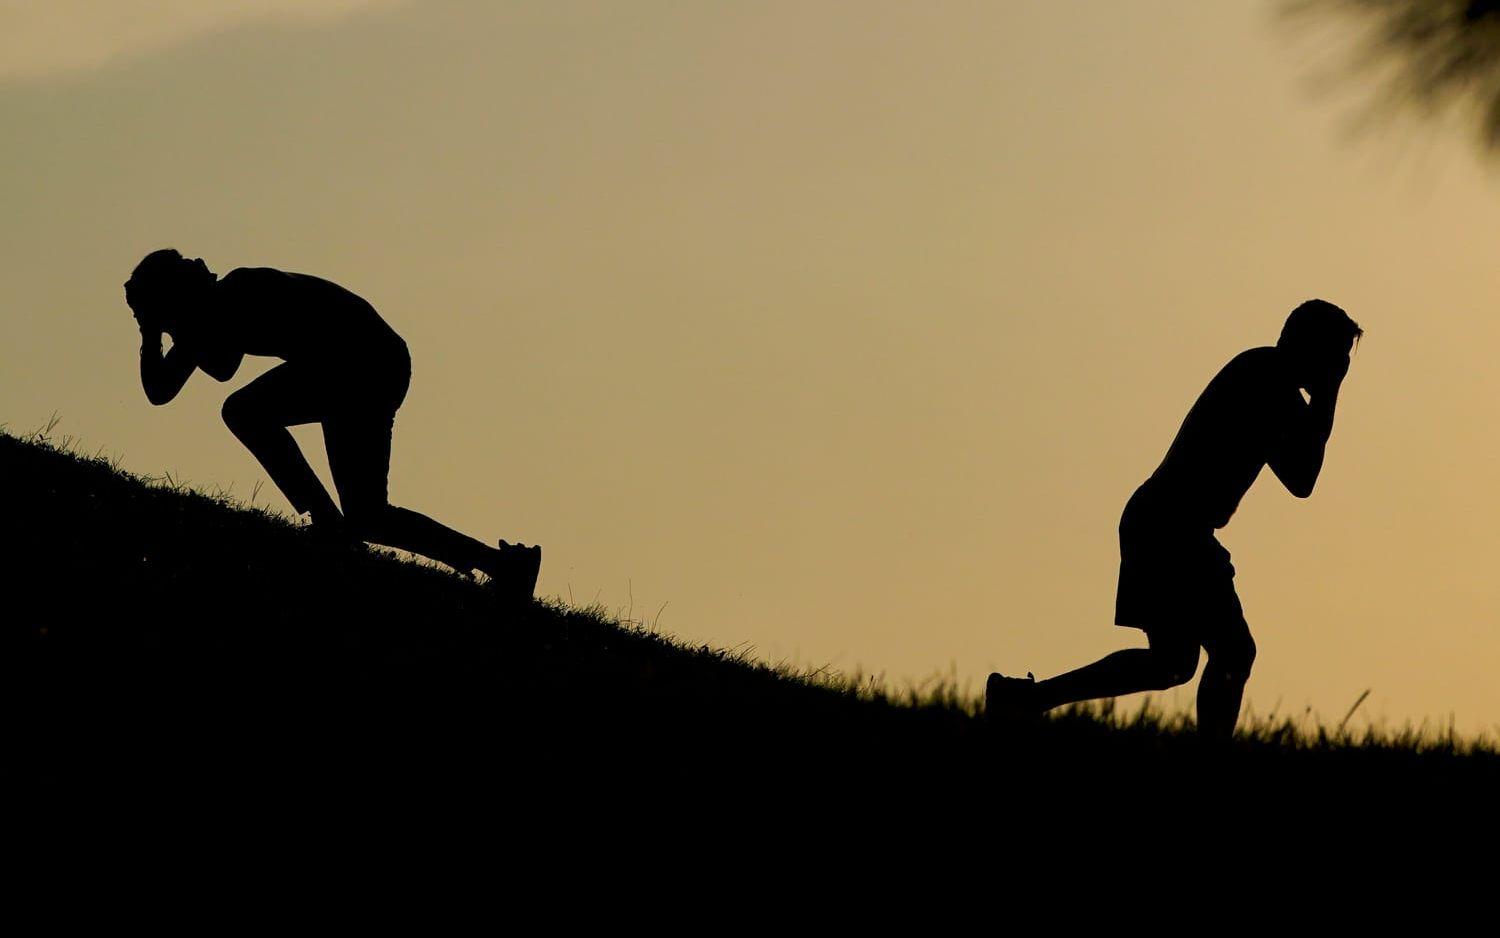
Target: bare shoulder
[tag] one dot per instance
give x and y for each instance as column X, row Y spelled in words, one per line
column 249, row 275
column 245, row 282
column 1261, row 379
column 1252, row 378
column 1264, row 359
column 1261, row 367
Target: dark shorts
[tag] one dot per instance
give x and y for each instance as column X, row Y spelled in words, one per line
column 355, row 401
column 1175, row 577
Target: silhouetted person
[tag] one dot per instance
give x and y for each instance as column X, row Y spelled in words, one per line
column 343, row 367
column 1176, row 582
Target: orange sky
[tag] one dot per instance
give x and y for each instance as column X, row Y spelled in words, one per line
column 842, row 331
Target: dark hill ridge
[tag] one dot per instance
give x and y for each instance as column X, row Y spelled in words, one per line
column 148, row 615
column 151, row 632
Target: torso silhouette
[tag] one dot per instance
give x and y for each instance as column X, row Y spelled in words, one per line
column 1226, row 439
column 296, row 317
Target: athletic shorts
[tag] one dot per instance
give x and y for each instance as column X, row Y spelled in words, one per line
column 355, row 401
column 1175, row 576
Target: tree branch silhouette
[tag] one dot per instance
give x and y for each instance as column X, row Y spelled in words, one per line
column 1424, row 57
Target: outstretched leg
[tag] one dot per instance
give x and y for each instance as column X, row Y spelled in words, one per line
column 413, row 531
column 359, row 456
column 1231, row 653
column 258, row 415
column 1170, row 660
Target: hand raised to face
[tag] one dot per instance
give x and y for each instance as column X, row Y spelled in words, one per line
column 1327, row 373
column 164, row 288
column 144, row 318
column 143, row 322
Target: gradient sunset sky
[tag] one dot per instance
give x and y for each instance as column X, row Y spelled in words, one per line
column 842, row 331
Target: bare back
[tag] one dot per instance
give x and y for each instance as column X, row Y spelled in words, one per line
column 1227, row 437
column 297, row 317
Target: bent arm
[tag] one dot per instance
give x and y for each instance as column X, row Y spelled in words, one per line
column 1298, row 458
column 162, row 376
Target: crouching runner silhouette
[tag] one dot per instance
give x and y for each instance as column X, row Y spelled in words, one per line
column 343, row 367
column 1176, row 582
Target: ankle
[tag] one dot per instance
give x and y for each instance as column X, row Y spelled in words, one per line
column 325, row 518
column 1044, row 696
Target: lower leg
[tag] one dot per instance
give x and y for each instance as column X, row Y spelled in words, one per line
column 415, row 532
column 279, row 456
column 1124, row 672
column 1231, row 654
column 1219, row 694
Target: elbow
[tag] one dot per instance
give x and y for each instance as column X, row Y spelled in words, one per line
column 1297, row 478
column 158, row 395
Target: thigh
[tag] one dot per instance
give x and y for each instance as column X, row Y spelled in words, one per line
column 363, row 400
column 1177, row 648
column 359, row 456
column 286, row 396
column 1171, row 578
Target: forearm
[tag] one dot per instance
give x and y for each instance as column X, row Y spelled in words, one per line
column 1305, row 460
column 162, row 376
column 1320, row 412
column 151, row 365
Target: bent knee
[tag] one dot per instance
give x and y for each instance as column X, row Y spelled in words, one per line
column 1234, row 656
column 366, row 521
column 1180, row 670
column 238, row 412
column 1175, row 665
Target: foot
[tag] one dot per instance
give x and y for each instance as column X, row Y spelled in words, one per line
column 1010, row 698
column 514, row 569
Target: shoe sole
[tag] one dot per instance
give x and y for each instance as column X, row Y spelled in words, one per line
column 519, row 582
column 526, row 580
column 1000, row 706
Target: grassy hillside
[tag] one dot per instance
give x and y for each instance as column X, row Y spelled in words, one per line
column 157, row 634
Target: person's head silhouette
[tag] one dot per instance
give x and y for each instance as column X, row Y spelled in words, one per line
column 1317, row 339
column 164, row 286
